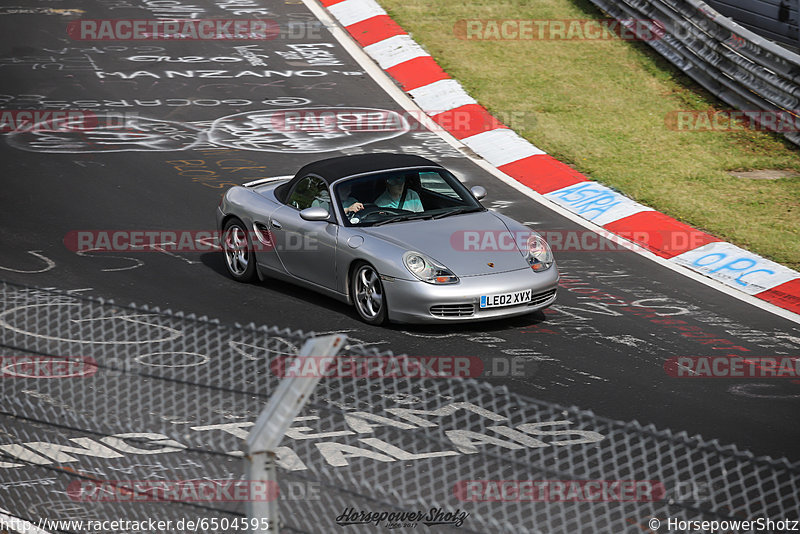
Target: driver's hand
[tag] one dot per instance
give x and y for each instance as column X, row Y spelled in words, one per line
column 357, row 206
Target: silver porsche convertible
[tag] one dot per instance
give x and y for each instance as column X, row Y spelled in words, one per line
column 397, row 236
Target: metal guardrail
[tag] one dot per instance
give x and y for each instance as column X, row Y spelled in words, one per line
column 741, row 68
column 776, row 20
column 173, row 397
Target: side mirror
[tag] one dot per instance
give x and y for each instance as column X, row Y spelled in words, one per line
column 478, row 192
column 314, row 214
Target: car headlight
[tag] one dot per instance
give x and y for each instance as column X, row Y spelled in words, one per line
column 427, row 269
column 538, row 253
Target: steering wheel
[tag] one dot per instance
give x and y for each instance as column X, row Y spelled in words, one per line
column 371, row 211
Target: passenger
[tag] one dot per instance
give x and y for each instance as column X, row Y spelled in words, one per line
column 394, row 190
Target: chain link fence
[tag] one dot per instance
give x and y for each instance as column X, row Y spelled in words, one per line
column 149, row 395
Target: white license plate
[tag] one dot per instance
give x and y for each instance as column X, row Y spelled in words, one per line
column 505, row 299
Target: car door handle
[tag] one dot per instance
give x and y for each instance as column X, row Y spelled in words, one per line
column 276, row 224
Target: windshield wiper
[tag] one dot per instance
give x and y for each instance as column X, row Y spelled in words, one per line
column 409, row 217
column 457, row 211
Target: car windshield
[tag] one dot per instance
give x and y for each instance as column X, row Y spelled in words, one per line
column 407, row 194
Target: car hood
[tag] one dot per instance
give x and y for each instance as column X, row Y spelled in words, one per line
column 469, row 245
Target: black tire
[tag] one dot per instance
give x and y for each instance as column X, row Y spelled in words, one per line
column 240, row 258
column 369, row 298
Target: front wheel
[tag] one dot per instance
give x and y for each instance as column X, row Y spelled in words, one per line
column 366, row 290
column 239, row 256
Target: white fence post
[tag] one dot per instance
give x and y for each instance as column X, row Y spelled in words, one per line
column 289, row 398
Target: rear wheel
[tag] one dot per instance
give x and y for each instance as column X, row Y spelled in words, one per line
column 239, row 257
column 366, row 290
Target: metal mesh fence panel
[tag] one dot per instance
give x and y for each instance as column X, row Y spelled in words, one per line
column 159, row 397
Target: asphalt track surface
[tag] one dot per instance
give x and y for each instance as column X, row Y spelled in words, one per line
column 601, row 347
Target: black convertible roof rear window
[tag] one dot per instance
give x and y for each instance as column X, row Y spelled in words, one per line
column 332, row 169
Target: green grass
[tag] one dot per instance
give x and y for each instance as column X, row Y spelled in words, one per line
column 600, row 106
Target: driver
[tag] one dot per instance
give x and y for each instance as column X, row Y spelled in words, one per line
column 394, row 191
column 350, row 204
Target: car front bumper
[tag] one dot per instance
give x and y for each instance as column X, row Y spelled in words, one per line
column 419, row 302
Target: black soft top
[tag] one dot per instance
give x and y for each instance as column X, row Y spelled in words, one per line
column 332, row 169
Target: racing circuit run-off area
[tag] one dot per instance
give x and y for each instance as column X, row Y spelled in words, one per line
column 266, row 267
